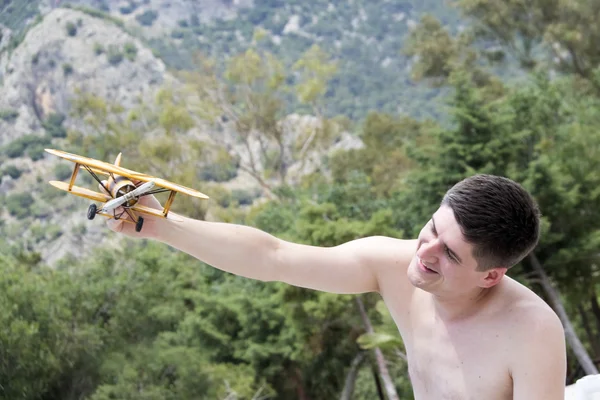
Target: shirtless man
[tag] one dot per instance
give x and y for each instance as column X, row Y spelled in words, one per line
column 470, row 331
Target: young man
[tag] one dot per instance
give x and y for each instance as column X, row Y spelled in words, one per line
column 470, row 332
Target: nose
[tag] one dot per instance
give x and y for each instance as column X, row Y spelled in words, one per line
column 427, row 252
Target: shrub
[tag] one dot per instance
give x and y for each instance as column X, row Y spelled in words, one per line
column 53, row 124
column 220, row 196
column 128, row 9
column 62, row 171
column 71, row 29
column 114, row 55
column 98, row 49
column 36, row 152
column 19, row 204
column 17, row 148
column 177, row 34
column 243, row 197
column 9, row 115
column 147, row 18
column 130, row 51
column 218, row 172
column 67, row 69
column 53, row 232
column 12, row 171
column 50, row 193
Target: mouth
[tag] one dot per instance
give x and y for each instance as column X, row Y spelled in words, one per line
column 423, row 268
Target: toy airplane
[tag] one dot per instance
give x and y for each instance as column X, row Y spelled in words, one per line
column 120, row 189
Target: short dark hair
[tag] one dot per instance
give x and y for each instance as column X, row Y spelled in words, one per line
column 497, row 216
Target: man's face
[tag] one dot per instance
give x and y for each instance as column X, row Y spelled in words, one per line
column 444, row 262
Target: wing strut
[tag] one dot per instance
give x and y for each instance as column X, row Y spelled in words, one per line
column 73, row 176
column 93, row 174
column 169, row 202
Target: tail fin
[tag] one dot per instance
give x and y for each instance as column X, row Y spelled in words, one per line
column 118, row 160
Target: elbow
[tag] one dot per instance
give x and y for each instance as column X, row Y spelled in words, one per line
column 275, row 265
column 275, row 262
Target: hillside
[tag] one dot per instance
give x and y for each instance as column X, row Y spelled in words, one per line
column 66, row 53
column 63, row 55
column 366, row 37
column 69, row 51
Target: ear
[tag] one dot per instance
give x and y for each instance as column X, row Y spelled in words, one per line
column 493, row 276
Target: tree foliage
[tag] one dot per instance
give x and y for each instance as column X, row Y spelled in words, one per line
column 246, row 104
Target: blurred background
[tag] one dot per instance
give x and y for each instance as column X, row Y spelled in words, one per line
column 317, row 121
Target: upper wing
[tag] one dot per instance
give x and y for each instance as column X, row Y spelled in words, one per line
column 104, row 167
column 100, row 166
column 179, row 188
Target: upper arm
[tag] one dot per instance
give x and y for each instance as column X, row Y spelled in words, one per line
column 357, row 266
column 539, row 367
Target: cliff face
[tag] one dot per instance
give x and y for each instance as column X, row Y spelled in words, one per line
column 64, row 53
column 70, row 51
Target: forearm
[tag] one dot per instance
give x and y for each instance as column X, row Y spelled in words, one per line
column 237, row 249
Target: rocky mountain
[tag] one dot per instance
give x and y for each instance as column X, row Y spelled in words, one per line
column 62, row 54
column 70, row 51
column 157, row 18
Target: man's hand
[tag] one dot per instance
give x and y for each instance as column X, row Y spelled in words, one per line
column 126, row 226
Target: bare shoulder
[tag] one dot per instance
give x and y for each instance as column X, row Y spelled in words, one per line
column 538, row 351
column 526, row 310
column 384, row 252
column 389, row 259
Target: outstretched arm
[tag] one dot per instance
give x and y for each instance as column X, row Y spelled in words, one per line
column 354, row 267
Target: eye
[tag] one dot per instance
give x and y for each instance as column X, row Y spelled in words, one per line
column 433, row 229
column 450, row 256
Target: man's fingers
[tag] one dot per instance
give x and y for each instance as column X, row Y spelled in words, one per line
column 115, row 225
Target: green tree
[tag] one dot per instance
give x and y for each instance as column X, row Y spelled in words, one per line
column 328, row 215
column 383, row 156
column 47, row 344
column 558, row 33
column 246, row 105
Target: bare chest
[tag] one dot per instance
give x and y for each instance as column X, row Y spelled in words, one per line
column 461, row 361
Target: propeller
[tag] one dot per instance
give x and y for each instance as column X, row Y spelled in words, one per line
column 119, row 201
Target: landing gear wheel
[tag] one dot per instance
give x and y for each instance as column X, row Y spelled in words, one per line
column 92, row 211
column 139, row 224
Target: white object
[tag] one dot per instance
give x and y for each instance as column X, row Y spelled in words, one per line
column 586, row 388
column 114, row 203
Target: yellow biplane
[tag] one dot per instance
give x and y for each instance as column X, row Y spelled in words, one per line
column 120, row 190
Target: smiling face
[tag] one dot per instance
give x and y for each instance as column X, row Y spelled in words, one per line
column 444, row 263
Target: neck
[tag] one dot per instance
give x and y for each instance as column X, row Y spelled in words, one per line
column 464, row 305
